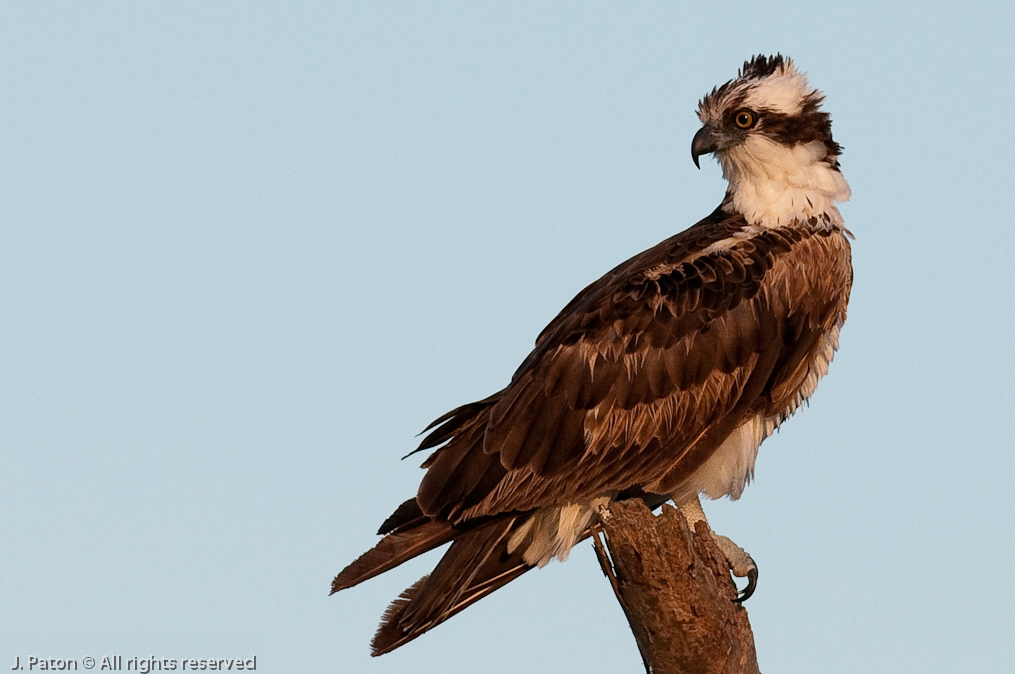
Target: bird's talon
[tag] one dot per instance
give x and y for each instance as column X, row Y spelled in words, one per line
column 752, row 584
column 741, row 565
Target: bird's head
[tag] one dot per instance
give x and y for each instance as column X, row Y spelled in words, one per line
column 773, row 141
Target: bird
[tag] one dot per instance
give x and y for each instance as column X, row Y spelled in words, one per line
column 658, row 382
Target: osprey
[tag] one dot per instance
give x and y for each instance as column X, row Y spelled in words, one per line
column 659, row 381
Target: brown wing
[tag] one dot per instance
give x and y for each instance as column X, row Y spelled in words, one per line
column 644, row 373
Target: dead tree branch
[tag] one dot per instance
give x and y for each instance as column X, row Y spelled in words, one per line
column 675, row 589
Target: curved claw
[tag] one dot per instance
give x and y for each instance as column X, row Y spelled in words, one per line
column 752, row 585
column 741, row 564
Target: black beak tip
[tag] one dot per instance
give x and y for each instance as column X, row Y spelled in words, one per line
column 704, row 142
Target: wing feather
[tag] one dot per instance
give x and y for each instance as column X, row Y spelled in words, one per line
column 644, row 373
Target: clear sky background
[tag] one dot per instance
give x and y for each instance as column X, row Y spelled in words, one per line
column 249, row 250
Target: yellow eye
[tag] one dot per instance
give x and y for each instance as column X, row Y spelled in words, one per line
column 744, row 119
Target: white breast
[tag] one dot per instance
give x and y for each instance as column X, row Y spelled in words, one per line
column 731, row 466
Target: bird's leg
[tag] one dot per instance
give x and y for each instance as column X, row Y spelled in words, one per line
column 604, row 562
column 739, row 561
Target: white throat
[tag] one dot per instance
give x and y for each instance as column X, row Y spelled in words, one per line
column 772, row 185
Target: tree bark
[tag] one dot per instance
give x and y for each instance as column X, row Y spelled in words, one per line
column 675, row 588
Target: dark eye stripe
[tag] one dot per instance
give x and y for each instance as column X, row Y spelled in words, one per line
column 809, row 125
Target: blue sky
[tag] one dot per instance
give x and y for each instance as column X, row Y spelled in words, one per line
column 249, row 250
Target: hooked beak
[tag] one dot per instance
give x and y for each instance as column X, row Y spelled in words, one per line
column 704, row 142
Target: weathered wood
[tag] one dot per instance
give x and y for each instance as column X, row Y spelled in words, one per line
column 674, row 586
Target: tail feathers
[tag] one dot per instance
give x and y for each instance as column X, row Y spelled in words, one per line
column 391, row 551
column 475, row 565
column 406, row 516
column 455, row 572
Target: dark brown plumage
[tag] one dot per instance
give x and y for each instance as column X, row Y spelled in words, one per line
column 629, row 391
